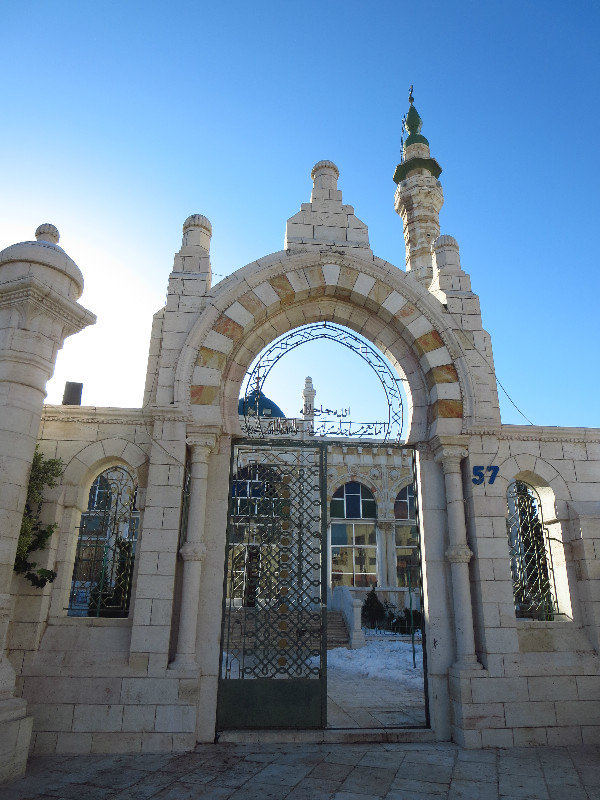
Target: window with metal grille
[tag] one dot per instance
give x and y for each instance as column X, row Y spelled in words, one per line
column 353, row 544
column 102, row 575
column 531, row 566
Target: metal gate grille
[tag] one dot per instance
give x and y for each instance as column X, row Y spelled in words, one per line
column 531, row 564
column 273, row 644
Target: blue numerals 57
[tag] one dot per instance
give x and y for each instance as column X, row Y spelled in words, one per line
column 479, row 474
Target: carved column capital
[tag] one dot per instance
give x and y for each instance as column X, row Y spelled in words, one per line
column 459, row 554
column 449, row 452
column 192, row 551
column 201, row 446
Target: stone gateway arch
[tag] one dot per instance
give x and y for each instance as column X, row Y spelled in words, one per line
column 135, row 663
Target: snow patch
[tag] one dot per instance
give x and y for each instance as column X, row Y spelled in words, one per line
column 383, row 659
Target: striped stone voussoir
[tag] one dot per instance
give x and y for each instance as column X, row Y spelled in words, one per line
column 330, row 282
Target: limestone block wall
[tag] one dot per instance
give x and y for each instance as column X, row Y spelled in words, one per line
column 87, row 689
column 541, row 679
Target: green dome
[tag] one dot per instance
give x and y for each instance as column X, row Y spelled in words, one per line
column 414, row 123
column 266, row 407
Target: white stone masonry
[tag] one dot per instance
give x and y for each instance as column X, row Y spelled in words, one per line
column 325, row 221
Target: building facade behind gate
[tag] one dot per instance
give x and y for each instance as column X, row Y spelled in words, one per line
column 509, row 515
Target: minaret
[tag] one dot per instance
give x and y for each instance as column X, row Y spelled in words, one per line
column 419, row 198
column 308, row 400
column 308, row 408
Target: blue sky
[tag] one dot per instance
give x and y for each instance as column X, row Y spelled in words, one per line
column 122, row 118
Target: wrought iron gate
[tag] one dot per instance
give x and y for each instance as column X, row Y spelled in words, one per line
column 273, row 643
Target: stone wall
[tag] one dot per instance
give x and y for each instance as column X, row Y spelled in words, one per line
column 541, row 679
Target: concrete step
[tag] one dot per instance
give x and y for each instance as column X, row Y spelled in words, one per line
column 333, row 735
column 337, row 633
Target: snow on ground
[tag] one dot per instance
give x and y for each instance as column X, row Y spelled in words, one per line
column 381, row 658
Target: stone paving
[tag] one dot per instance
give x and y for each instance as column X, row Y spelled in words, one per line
column 359, row 702
column 317, row 772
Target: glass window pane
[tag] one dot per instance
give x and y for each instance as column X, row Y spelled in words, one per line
column 361, row 533
column 401, row 509
column 366, row 493
column 353, row 506
column 406, row 535
column 341, row 534
column 337, row 508
column 339, row 492
column 342, row 579
column 365, row 559
column 352, row 487
column 364, row 534
column 369, row 509
column 365, row 580
column 407, row 566
column 341, row 559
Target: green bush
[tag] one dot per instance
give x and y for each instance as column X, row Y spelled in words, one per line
column 33, row 536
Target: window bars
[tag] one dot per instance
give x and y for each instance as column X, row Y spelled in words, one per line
column 102, row 575
column 531, row 566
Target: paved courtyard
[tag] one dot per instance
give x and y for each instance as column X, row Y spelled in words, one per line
column 376, row 686
column 316, row 772
column 357, row 702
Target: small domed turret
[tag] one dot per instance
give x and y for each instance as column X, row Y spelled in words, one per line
column 56, row 269
column 46, row 232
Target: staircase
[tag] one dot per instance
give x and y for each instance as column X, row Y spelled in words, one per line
column 337, row 632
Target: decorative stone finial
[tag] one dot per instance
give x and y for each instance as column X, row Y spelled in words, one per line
column 324, row 166
column 47, row 232
column 447, row 254
column 197, row 231
column 197, row 221
column 325, row 175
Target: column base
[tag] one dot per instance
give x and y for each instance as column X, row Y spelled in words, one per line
column 15, row 735
column 466, row 665
column 185, row 665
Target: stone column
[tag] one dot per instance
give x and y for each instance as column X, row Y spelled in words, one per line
column 458, row 554
column 193, row 551
column 39, row 289
column 387, row 568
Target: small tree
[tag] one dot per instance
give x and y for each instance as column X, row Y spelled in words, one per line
column 373, row 610
column 33, row 536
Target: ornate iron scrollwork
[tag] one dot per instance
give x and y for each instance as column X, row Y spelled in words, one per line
column 328, row 422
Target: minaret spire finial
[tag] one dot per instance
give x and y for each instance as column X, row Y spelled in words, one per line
column 411, row 99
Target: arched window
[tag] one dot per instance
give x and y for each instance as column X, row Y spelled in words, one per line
column 530, row 555
column 353, row 541
column 407, row 539
column 404, row 505
column 102, row 575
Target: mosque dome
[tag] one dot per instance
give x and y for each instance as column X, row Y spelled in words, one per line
column 266, row 408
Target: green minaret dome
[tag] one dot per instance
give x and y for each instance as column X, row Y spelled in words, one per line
column 414, row 123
